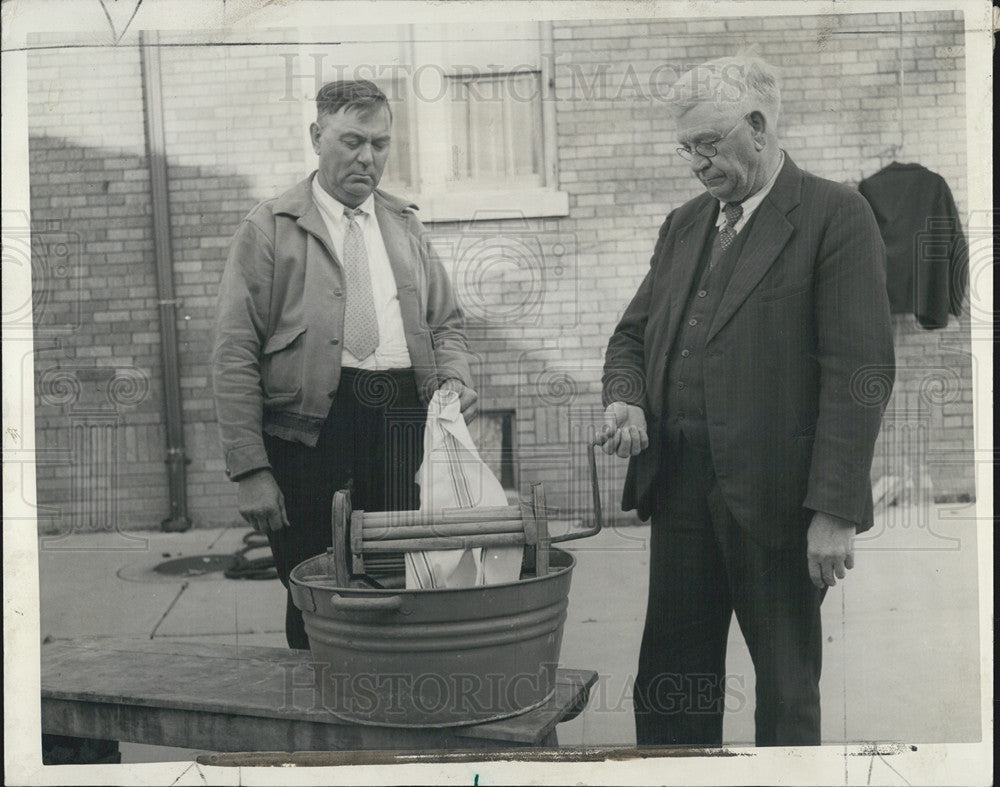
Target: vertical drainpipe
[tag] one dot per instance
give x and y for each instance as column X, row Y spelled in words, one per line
column 152, row 102
column 899, row 108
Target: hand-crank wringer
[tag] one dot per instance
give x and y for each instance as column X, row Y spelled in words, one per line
column 436, row 657
column 368, row 546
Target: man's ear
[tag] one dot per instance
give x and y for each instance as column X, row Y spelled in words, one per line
column 758, row 124
column 314, row 132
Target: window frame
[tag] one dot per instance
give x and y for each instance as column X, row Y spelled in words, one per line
column 429, row 124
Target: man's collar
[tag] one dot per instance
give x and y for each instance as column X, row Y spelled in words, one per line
column 298, row 200
column 751, row 203
column 333, row 205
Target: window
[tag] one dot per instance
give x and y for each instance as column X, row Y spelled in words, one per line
column 473, row 135
column 398, row 167
column 496, row 130
column 493, row 433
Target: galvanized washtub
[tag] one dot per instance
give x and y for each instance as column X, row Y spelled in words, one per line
column 438, row 657
column 434, row 657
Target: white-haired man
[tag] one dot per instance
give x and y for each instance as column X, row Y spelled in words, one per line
column 762, row 341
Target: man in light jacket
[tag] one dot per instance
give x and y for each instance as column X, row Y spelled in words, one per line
column 336, row 324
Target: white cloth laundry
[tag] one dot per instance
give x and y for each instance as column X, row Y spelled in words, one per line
column 452, row 475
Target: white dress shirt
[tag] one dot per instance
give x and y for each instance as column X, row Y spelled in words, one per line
column 751, row 203
column 391, row 352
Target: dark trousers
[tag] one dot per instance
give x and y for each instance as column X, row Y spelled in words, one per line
column 372, row 441
column 703, row 566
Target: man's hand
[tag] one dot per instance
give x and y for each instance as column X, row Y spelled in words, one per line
column 467, row 398
column 829, row 548
column 624, row 430
column 261, row 503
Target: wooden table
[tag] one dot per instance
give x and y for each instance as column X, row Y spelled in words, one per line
column 248, row 699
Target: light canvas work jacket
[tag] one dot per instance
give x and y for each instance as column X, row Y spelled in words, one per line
column 279, row 327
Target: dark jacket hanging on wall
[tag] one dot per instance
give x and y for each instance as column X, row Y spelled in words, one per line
column 927, row 258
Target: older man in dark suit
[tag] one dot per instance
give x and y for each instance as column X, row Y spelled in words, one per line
column 758, row 349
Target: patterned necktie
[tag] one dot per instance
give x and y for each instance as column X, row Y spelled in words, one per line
column 734, row 212
column 360, row 320
column 726, row 236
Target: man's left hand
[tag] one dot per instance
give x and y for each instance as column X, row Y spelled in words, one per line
column 467, row 398
column 829, row 549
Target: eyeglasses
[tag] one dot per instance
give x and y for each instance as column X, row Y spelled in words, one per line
column 706, row 149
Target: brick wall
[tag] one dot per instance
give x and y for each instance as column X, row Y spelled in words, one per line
column 231, row 142
column 98, row 405
column 841, row 99
column 541, row 332
column 90, row 181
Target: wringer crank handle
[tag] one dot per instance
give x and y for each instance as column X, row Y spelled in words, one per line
column 592, row 447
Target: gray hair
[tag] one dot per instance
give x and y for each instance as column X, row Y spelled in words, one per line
column 737, row 85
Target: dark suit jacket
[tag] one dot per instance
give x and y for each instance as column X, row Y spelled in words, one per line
column 798, row 362
column 927, row 257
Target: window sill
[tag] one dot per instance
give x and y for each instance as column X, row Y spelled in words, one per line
column 489, row 205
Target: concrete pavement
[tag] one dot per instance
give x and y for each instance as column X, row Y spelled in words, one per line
column 901, row 658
